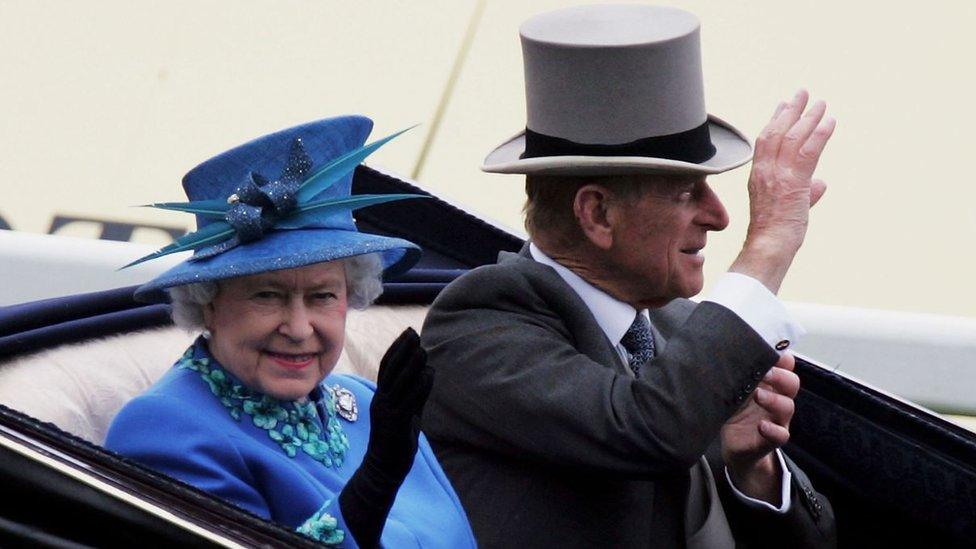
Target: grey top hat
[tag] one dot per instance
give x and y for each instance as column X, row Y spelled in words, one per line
column 615, row 89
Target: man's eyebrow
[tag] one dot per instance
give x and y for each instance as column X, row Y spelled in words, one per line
column 684, row 181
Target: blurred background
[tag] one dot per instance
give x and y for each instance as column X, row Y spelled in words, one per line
column 104, row 105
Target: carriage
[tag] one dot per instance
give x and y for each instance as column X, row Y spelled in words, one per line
column 896, row 473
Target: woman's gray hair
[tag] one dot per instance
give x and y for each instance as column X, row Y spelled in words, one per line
column 364, row 279
column 364, row 284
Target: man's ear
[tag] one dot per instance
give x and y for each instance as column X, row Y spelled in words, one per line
column 591, row 207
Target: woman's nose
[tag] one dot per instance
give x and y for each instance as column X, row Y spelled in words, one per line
column 296, row 324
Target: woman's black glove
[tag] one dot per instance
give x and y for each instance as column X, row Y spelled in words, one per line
column 402, row 387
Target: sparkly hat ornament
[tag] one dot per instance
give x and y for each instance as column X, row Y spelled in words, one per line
column 248, row 223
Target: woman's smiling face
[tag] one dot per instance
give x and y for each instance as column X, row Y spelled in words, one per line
column 280, row 332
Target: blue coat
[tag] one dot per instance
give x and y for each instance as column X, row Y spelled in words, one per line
column 191, row 426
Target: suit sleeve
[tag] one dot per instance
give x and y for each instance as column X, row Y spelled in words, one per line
column 808, row 524
column 511, row 379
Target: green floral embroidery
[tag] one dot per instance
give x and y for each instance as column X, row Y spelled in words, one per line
column 286, row 439
column 322, row 527
column 266, row 413
column 293, row 425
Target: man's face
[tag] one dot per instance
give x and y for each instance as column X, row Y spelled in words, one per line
column 656, row 253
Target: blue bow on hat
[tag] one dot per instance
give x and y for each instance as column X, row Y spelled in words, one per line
column 279, row 202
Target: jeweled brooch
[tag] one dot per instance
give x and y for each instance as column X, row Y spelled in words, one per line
column 345, row 403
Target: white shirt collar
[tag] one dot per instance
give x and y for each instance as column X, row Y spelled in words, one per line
column 612, row 315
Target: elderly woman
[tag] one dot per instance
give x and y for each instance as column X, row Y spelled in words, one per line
column 250, row 412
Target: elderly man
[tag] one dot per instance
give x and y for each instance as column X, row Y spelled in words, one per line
column 577, row 389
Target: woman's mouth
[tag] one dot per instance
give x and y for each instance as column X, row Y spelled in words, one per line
column 291, row 361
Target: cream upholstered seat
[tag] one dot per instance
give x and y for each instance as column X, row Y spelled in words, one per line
column 80, row 387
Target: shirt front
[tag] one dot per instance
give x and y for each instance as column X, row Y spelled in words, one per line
column 757, row 307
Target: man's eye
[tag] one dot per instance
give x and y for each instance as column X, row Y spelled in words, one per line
column 323, row 296
column 267, row 295
column 685, row 196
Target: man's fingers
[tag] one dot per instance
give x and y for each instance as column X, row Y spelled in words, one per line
column 776, row 435
column 817, row 189
column 768, row 142
column 797, row 104
column 786, row 362
column 791, row 112
column 782, row 381
column 779, row 407
column 798, row 134
column 809, row 154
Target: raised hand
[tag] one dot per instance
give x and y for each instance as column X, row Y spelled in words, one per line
column 761, row 426
column 402, row 386
column 782, row 188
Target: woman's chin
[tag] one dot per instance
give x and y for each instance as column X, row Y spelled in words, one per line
column 289, row 389
column 293, row 385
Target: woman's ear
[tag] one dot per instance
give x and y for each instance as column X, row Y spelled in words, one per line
column 208, row 313
column 592, row 206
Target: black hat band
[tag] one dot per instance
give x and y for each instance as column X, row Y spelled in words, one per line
column 694, row 145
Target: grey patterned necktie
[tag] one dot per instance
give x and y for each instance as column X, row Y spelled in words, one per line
column 639, row 343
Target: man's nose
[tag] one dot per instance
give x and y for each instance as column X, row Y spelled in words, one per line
column 296, row 323
column 711, row 212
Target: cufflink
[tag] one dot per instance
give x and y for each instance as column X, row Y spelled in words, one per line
column 782, row 345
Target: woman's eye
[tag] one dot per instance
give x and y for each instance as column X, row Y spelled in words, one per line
column 324, row 296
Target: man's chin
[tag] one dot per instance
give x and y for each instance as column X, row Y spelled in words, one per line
column 692, row 291
column 688, row 291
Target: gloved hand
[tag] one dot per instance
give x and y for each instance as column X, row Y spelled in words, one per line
column 402, row 387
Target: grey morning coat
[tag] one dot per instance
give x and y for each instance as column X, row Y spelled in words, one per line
column 550, row 442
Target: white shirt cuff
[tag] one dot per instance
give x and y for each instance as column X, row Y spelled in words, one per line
column 758, row 307
column 784, row 497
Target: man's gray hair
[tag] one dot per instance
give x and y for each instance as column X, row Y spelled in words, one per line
column 549, row 203
column 363, row 285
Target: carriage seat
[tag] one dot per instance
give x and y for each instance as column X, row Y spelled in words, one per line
column 80, row 387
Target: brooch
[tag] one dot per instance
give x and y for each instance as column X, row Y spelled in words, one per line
column 345, row 403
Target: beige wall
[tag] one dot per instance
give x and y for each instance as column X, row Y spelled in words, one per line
column 105, row 104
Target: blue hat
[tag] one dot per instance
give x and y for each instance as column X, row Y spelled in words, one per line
column 279, row 202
